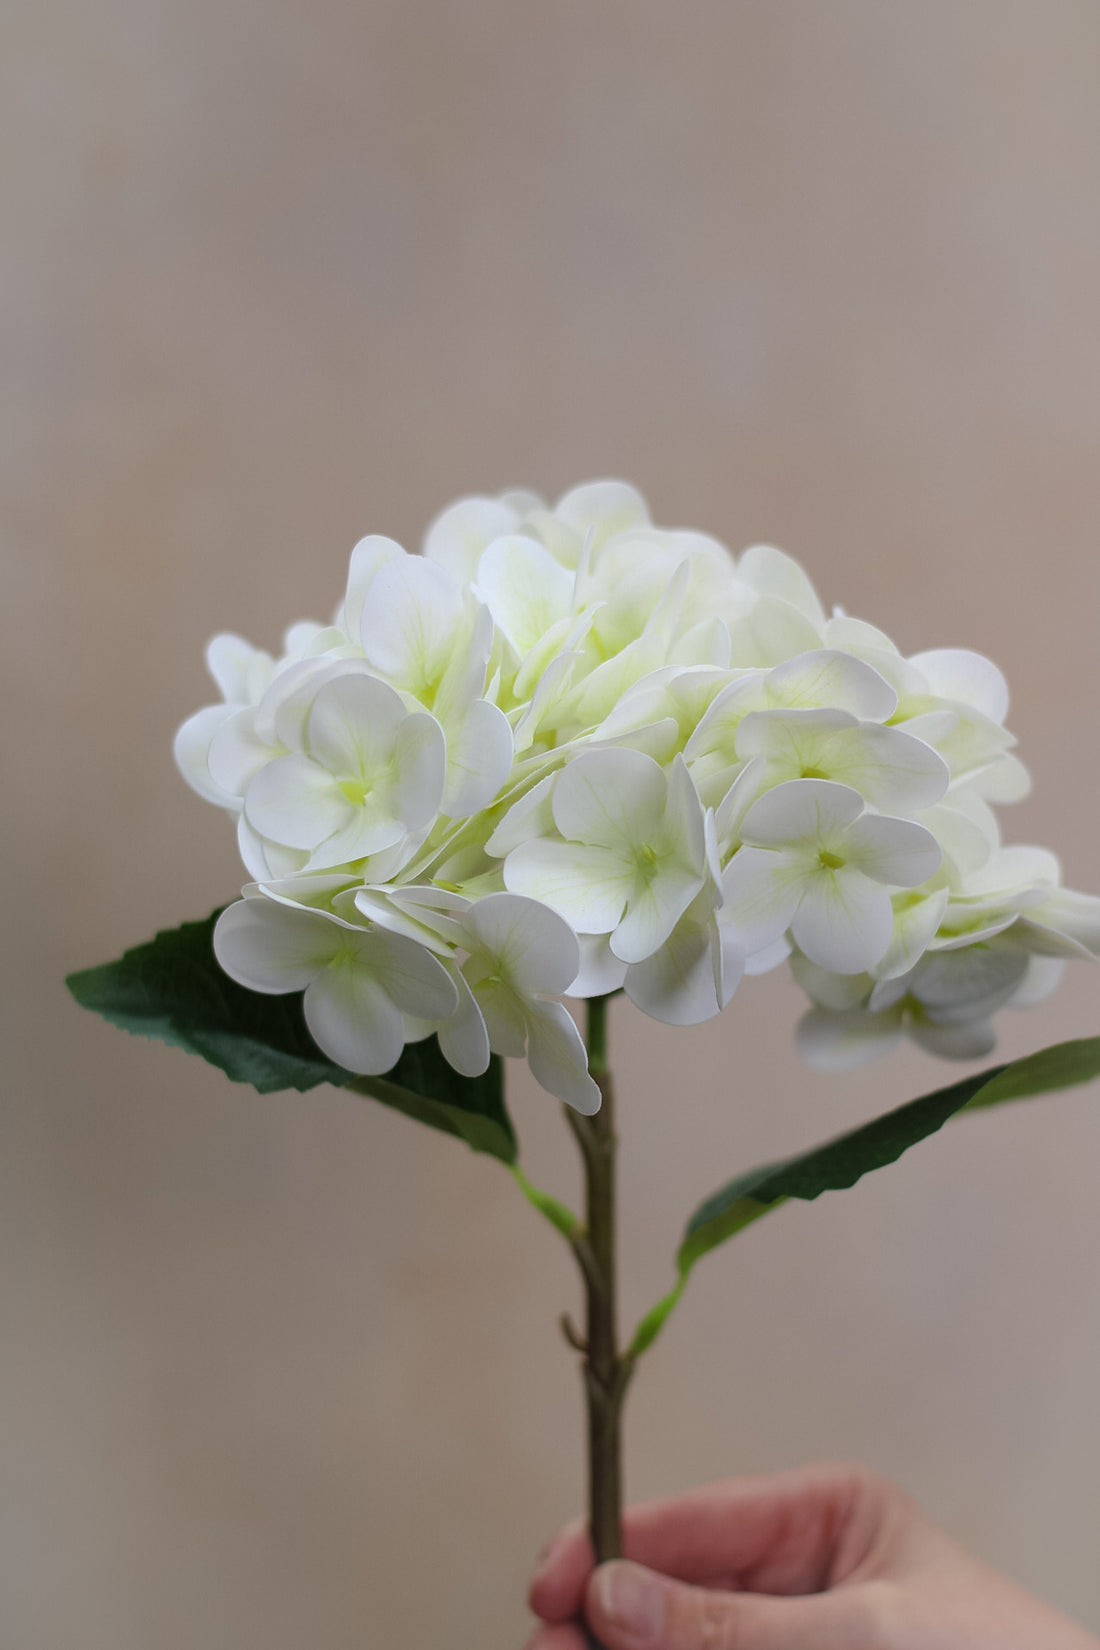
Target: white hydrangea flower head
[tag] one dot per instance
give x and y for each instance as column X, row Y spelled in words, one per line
column 564, row 752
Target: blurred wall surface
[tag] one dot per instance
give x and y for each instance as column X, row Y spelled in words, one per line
column 284, row 1371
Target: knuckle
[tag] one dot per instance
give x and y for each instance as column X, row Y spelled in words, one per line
column 715, row 1625
column 886, row 1621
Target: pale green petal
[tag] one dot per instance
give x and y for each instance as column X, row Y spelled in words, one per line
column 419, row 770
column 824, row 677
column 587, row 886
column 957, row 673
column 409, row 623
column 478, row 760
column 772, row 572
column 610, row 798
column 526, row 590
column 557, row 1058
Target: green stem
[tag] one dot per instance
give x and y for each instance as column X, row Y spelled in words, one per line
column 607, row 1371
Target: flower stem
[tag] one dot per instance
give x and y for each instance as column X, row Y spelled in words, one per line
column 607, row 1371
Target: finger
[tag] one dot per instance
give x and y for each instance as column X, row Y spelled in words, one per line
column 557, row 1586
column 790, row 1532
column 562, row 1637
column 631, row 1608
column 786, row 1533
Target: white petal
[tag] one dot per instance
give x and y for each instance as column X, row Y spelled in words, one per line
column 369, row 555
column 526, row 590
column 801, row 810
column 768, row 957
column 761, row 889
column 600, row 972
column 830, row 1041
column 532, row 816
column 192, row 753
column 972, row 1041
column 771, row 633
column 556, row 1055
column 729, row 816
column 685, row 831
column 602, row 507
column 844, row 922
column 237, row 753
column 253, row 851
column 479, row 759
column 956, row 673
column 889, row 768
column 915, row 924
column 504, row 1013
column 352, row 726
column 1044, row 975
column 354, row 1020
column 420, row 766
column 274, row 948
column 956, row 986
column 677, row 984
column 457, row 537
column 1005, row 780
column 587, row 886
column 894, row 851
column 297, row 802
column 463, row 1039
column 828, row 990
column 965, row 840
column 1074, row 916
column 824, row 677
column 315, row 892
column 415, row 980
column 1013, row 869
column 609, row 798
column 534, row 949
column 368, row 830
column 790, row 735
column 967, row 743
column 653, row 910
column 409, row 620
column 772, row 572
column 241, row 671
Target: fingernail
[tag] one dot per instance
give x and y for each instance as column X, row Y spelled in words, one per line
column 631, row 1598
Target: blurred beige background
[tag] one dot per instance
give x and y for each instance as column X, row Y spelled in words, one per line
column 283, row 1372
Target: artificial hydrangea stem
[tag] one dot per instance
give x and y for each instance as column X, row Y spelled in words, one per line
column 606, row 1370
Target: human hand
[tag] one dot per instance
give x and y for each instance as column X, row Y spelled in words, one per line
column 826, row 1558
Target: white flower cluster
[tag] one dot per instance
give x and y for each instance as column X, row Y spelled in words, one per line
column 564, row 752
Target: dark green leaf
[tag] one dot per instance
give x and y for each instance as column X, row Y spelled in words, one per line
column 841, row 1162
column 172, row 989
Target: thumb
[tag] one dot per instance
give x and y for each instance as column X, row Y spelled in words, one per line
column 632, row 1608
